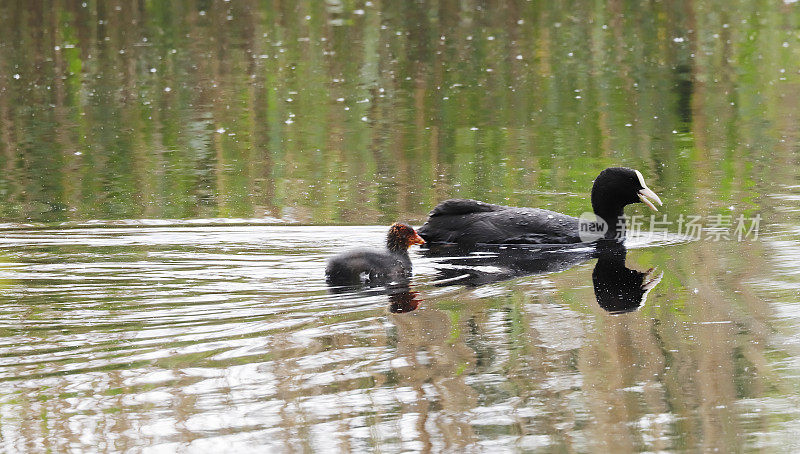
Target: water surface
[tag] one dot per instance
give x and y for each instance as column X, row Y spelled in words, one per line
column 195, row 337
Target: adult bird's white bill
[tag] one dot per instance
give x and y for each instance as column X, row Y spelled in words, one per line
column 647, row 196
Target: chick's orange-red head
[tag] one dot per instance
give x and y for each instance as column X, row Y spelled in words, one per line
column 402, row 236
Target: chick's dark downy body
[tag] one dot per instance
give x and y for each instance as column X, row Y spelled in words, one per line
column 370, row 266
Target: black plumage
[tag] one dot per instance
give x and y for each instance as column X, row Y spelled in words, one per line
column 470, row 222
column 375, row 267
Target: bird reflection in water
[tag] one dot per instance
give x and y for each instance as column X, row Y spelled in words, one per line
column 402, row 301
column 618, row 289
column 401, row 298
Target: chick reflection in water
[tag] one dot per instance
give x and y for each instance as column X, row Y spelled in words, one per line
column 618, row 289
column 403, row 300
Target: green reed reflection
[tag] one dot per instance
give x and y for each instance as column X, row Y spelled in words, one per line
column 365, row 112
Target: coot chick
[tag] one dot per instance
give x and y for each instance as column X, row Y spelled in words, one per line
column 375, row 267
column 469, row 222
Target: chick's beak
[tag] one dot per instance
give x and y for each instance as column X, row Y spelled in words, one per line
column 416, row 239
column 647, row 196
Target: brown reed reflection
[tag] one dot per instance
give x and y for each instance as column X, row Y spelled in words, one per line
column 431, row 360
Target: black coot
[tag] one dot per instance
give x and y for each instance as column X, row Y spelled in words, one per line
column 375, row 267
column 469, row 222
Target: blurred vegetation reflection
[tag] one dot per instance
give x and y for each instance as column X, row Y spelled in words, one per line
column 370, row 111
